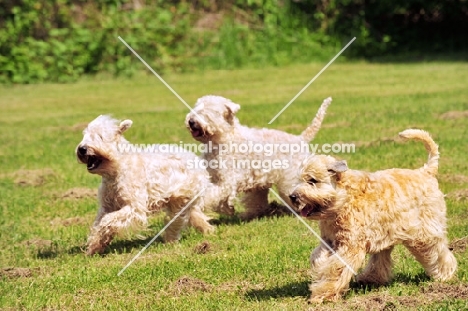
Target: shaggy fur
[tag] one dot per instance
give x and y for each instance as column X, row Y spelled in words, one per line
column 220, row 126
column 134, row 185
column 362, row 213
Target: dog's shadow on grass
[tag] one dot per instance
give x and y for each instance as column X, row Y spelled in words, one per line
column 410, row 279
column 226, row 220
column 301, row 289
column 126, row 246
column 274, row 209
column 117, row 247
column 295, row 289
column 77, row 249
column 49, row 253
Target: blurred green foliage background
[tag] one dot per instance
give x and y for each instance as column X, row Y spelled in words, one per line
column 60, row 40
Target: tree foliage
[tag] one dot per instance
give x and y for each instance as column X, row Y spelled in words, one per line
column 59, row 40
column 394, row 26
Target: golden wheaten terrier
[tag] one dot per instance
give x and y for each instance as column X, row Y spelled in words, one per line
column 362, row 213
column 136, row 184
column 247, row 160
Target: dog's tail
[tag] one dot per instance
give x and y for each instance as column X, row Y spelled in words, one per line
column 312, row 130
column 432, row 164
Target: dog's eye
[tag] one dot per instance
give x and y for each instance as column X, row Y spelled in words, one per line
column 312, row 181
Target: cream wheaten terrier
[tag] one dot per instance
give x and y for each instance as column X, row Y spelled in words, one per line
column 247, row 160
column 134, row 185
column 362, row 213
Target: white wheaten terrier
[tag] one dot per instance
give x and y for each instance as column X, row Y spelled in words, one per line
column 247, row 160
column 363, row 213
column 136, row 184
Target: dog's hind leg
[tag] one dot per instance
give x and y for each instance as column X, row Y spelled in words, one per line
column 255, row 203
column 437, row 260
column 378, row 270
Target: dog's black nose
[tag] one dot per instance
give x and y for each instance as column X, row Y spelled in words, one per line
column 293, row 198
column 82, row 150
column 191, row 122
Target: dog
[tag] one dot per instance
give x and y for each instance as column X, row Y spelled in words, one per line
column 363, row 213
column 137, row 184
column 253, row 172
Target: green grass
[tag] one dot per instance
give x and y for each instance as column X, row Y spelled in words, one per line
column 261, row 265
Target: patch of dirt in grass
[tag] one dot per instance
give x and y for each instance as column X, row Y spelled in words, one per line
column 380, row 301
column 458, row 195
column 292, row 128
column 79, row 193
column 39, row 243
column 13, row 273
column 33, row 178
column 453, row 115
column 72, row 221
column 441, row 291
column 459, row 245
column 202, row 248
column 188, row 285
column 78, row 127
column 429, row 294
column 300, row 127
column 377, row 301
column 336, row 124
column 445, row 290
column 209, row 21
column 454, row 178
column 377, row 142
column 42, row 248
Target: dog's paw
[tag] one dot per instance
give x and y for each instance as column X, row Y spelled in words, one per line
column 95, row 249
column 315, row 300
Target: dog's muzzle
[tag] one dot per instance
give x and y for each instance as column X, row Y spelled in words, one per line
column 82, row 151
column 306, row 210
column 92, row 162
column 310, row 209
column 195, row 128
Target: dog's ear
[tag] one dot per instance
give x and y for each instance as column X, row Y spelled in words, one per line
column 125, row 125
column 232, row 107
column 337, row 166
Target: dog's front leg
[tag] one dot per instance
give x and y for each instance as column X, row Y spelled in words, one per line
column 333, row 271
column 94, row 244
column 107, row 225
column 319, row 256
column 199, row 220
column 219, row 199
column 172, row 233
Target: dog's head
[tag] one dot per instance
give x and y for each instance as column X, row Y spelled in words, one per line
column 211, row 118
column 316, row 195
column 99, row 147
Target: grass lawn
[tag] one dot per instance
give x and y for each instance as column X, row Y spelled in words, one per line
column 48, row 200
